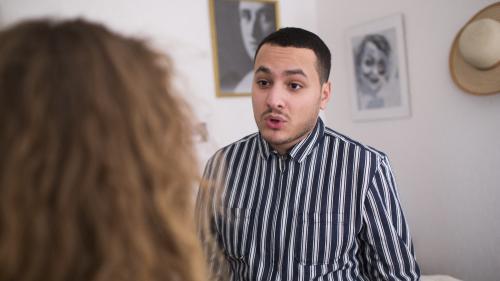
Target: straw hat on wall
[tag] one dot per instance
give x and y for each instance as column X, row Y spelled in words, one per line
column 475, row 53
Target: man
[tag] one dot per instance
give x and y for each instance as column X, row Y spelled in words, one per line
column 257, row 20
column 299, row 201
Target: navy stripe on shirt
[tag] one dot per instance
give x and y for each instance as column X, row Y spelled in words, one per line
column 327, row 210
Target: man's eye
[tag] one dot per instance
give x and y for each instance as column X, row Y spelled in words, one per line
column 263, row 83
column 266, row 15
column 245, row 15
column 295, row 86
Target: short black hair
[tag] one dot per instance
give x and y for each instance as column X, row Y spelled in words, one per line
column 301, row 38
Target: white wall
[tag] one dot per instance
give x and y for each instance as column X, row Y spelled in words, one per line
column 446, row 156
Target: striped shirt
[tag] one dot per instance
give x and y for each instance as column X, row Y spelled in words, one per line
column 327, row 210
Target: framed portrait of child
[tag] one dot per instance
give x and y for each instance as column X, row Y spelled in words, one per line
column 377, row 68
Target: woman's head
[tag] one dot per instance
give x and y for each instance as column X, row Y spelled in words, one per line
column 96, row 163
column 373, row 63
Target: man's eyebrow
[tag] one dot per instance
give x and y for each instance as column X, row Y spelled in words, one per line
column 263, row 69
column 289, row 72
column 294, row 72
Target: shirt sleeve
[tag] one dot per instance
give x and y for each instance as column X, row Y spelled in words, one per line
column 206, row 218
column 387, row 250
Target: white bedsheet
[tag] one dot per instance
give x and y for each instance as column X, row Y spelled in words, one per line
column 437, row 278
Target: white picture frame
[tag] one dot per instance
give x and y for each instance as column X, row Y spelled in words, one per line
column 378, row 70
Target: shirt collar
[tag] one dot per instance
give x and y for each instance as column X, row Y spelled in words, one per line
column 299, row 151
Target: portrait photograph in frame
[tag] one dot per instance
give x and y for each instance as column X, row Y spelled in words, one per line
column 378, row 70
column 237, row 27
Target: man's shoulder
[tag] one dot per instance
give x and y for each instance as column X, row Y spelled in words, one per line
column 346, row 140
column 241, row 142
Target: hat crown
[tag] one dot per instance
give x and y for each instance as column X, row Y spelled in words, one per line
column 479, row 43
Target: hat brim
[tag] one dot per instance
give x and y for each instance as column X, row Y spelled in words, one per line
column 467, row 77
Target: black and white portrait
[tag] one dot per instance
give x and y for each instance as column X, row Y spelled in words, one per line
column 376, row 68
column 238, row 28
column 377, row 54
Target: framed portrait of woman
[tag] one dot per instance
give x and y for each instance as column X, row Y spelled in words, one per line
column 377, row 67
column 237, row 28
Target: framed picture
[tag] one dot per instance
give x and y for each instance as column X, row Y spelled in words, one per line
column 377, row 67
column 237, row 27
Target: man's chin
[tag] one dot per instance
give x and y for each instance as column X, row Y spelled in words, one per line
column 272, row 136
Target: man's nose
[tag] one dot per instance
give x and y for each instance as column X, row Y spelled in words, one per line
column 275, row 98
column 257, row 28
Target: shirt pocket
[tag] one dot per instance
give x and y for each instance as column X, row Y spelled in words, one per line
column 316, row 238
column 235, row 232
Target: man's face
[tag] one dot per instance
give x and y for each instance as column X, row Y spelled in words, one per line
column 286, row 94
column 373, row 66
column 256, row 22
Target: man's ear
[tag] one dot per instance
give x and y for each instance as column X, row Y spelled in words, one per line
column 326, row 92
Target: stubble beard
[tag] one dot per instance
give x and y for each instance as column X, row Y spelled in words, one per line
column 294, row 139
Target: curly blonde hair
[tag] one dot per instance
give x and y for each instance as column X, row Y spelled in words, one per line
column 97, row 162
